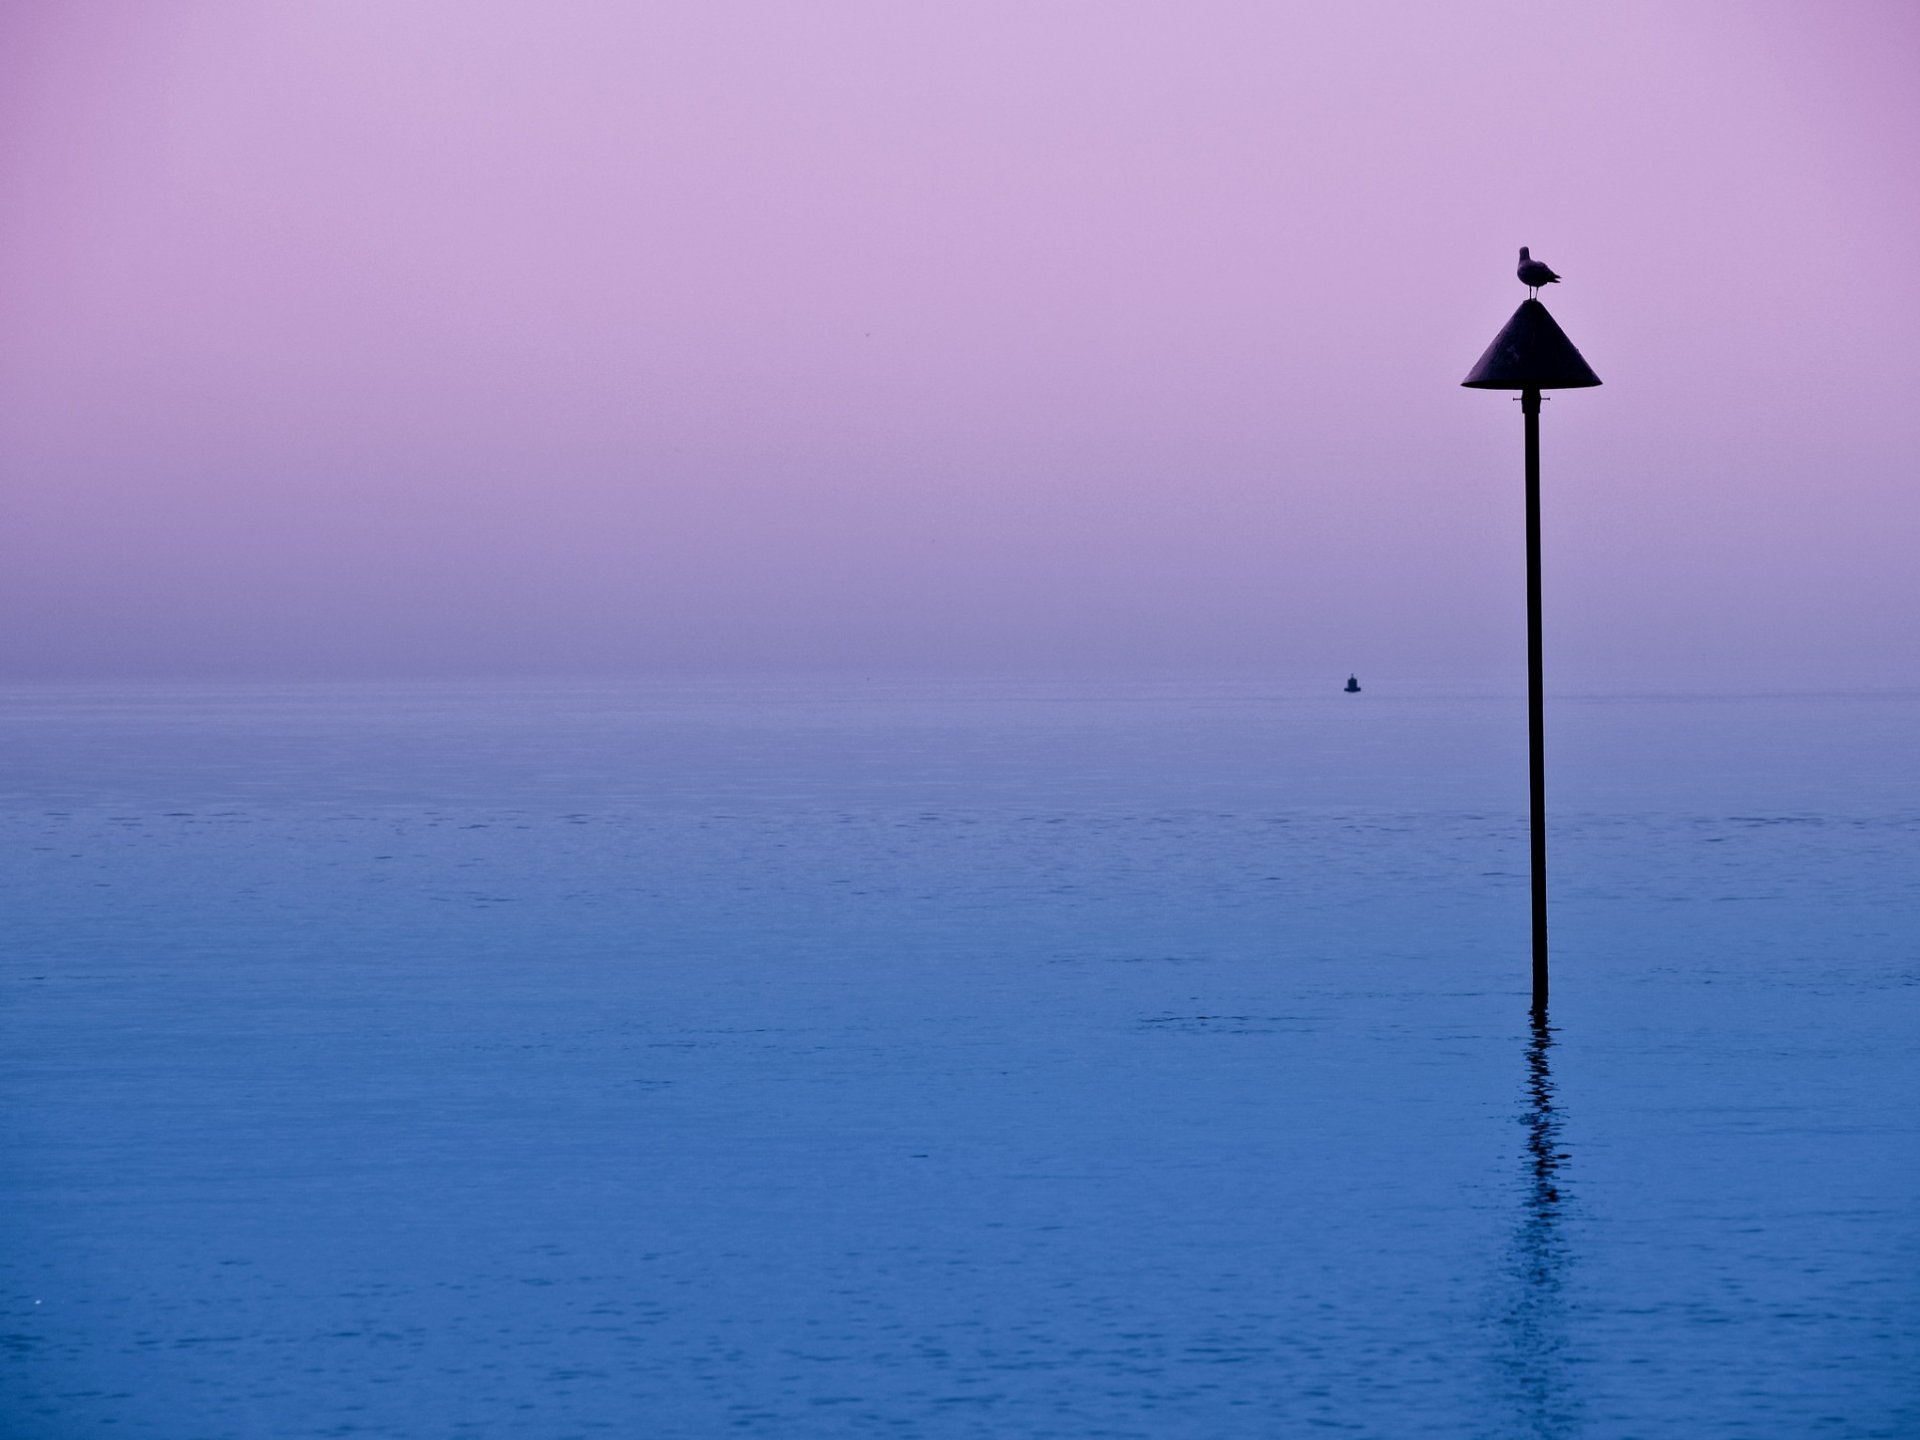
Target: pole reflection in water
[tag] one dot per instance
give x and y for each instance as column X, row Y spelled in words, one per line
column 1540, row 1258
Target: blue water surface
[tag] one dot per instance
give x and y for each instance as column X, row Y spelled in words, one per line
column 808, row 1059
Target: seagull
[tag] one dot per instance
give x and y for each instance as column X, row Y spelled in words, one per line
column 1533, row 274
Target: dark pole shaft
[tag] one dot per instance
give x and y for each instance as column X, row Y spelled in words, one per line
column 1536, row 705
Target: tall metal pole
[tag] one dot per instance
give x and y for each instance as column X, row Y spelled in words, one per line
column 1536, row 704
column 1532, row 354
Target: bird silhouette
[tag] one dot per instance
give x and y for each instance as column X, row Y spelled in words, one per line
column 1533, row 274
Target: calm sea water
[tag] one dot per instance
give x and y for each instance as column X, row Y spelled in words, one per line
column 954, row 1061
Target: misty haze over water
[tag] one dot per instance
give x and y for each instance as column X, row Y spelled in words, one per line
column 780, row 1035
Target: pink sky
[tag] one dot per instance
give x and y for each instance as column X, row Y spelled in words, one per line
column 394, row 337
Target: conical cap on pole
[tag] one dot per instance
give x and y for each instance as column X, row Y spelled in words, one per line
column 1531, row 353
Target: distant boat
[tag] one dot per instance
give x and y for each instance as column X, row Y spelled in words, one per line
column 1353, row 684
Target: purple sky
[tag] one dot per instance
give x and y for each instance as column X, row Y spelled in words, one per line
column 394, row 337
